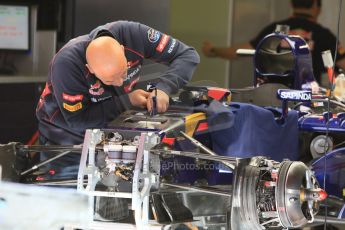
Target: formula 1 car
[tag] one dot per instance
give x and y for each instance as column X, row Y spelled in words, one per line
column 283, row 62
column 214, row 164
column 134, row 178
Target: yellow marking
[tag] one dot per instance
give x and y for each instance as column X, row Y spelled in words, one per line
column 73, row 108
column 192, row 121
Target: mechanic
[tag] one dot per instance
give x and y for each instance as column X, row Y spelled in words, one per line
column 303, row 22
column 92, row 80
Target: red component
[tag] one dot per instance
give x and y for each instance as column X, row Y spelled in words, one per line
column 217, row 93
column 330, row 74
column 203, row 126
column 39, row 178
column 168, row 140
column 51, row 172
column 33, row 139
column 323, row 194
column 269, row 183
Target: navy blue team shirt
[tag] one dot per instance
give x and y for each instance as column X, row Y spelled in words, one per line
column 74, row 99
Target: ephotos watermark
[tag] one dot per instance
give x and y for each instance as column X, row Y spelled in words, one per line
column 189, row 166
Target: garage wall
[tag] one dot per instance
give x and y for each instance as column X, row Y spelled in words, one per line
column 195, row 21
column 329, row 17
column 223, row 22
column 89, row 14
column 249, row 17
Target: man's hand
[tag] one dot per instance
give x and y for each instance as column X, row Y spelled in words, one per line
column 162, row 101
column 208, row 49
column 139, row 98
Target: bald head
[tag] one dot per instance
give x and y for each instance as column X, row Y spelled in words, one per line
column 106, row 59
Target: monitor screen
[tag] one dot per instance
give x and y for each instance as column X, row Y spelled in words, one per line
column 14, row 27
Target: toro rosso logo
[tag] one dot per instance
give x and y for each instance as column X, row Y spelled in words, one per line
column 153, row 35
column 294, row 95
column 96, row 89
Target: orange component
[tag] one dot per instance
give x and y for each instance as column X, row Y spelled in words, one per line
column 330, row 75
column 322, row 194
column 203, row 126
column 217, row 93
column 270, row 183
column 313, row 194
column 168, row 140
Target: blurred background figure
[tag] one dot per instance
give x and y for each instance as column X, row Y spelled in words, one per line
column 302, row 22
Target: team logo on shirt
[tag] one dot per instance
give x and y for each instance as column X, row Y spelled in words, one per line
column 73, row 108
column 72, row 98
column 153, row 35
column 132, row 73
column 130, row 64
column 96, row 89
column 162, row 44
column 98, row 99
column 172, row 46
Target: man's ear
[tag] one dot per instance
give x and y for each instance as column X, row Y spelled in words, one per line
column 89, row 68
column 123, row 48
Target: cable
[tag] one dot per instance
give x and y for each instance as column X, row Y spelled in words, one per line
column 44, row 163
column 328, row 108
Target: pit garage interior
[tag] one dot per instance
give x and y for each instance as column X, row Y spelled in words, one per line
column 247, row 143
